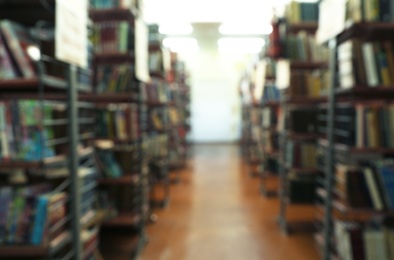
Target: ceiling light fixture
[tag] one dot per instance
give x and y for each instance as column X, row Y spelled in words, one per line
column 176, row 29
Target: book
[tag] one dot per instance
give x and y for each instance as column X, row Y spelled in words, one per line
column 18, row 41
column 370, row 64
column 7, row 69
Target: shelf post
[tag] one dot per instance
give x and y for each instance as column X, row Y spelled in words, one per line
column 75, row 202
column 330, row 168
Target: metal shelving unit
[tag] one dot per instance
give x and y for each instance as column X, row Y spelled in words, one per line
column 335, row 152
column 64, row 166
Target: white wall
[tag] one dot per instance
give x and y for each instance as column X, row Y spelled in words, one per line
column 215, row 102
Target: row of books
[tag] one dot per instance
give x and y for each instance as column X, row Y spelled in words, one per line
column 27, row 129
column 301, row 154
column 159, row 119
column 156, row 62
column 302, row 188
column 368, row 186
column 307, row 83
column 101, row 4
column 366, row 63
column 112, row 37
column 14, row 59
column 270, row 93
column 156, row 91
column 17, row 48
column 118, row 121
column 356, row 240
column 28, row 213
column 115, row 79
column 87, row 186
column 157, row 146
column 303, row 47
column 297, row 12
column 270, row 69
column 365, row 126
column 370, row 11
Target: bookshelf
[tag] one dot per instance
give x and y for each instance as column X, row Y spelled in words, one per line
column 179, row 105
column 122, row 137
column 45, row 156
column 345, row 154
column 342, row 216
column 260, row 110
column 301, row 73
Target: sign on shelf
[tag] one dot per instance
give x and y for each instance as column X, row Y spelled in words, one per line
column 332, row 19
column 71, row 32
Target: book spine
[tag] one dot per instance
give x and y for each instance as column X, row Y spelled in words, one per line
column 16, row 49
column 40, row 219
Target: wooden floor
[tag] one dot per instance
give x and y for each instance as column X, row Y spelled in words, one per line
column 216, row 212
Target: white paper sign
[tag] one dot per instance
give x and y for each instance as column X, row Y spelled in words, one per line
column 71, row 31
column 332, row 19
column 283, row 74
column 141, row 51
column 260, row 80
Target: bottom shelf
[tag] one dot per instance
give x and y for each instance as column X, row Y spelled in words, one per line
column 120, row 245
column 29, row 251
column 298, row 226
column 123, row 220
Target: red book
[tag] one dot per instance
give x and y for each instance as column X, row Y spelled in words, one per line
column 18, row 41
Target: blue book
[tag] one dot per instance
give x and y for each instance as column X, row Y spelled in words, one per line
column 40, row 220
column 387, row 181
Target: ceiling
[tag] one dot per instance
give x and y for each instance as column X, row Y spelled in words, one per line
column 210, row 11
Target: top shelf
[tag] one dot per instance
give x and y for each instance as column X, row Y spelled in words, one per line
column 310, row 27
column 367, row 31
column 112, row 14
column 306, row 65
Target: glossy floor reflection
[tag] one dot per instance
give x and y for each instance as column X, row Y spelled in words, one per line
column 216, row 212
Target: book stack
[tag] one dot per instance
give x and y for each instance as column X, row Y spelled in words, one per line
column 307, row 84
column 27, row 132
column 156, row 92
column 301, row 155
column 303, row 47
column 370, row 11
column 366, row 63
column 112, row 37
column 270, row 93
column 88, row 183
column 14, row 59
column 365, row 125
column 158, row 146
column 297, row 12
column 367, row 186
column 115, row 79
column 118, row 122
column 358, row 240
column 29, row 214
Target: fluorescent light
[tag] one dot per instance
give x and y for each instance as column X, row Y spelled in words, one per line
column 240, row 45
column 181, row 44
column 238, row 28
column 176, row 29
